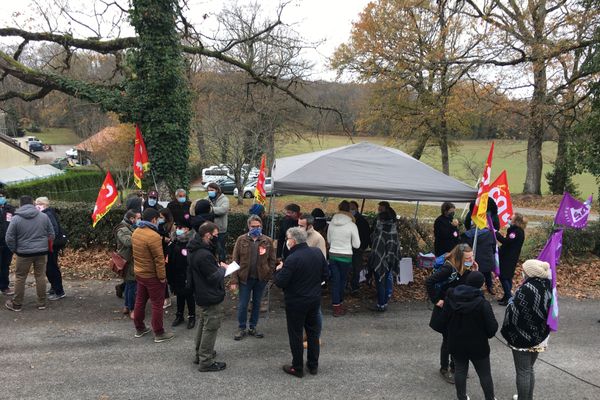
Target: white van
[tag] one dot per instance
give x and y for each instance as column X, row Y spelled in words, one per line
column 214, row 173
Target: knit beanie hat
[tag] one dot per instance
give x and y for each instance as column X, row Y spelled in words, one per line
column 475, row 279
column 536, row 269
column 256, row 209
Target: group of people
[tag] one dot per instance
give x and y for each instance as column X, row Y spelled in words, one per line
column 32, row 234
column 463, row 315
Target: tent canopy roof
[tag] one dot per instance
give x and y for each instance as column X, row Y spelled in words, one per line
column 366, row 170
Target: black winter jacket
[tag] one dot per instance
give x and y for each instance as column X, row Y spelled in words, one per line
column 437, row 322
column 284, row 225
column 510, row 250
column 6, row 213
column 364, row 231
column 469, row 321
column 445, row 234
column 177, row 263
column 486, row 248
column 204, row 275
column 180, row 211
column 300, row 278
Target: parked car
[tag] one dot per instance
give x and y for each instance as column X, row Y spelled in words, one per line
column 227, row 185
column 251, row 187
column 35, row 146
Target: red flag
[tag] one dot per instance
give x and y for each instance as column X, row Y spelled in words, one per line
column 260, row 195
column 478, row 216
column 107, row 196
column 501, row 195
column 140, row 158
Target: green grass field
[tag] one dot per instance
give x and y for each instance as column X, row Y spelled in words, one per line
column 57, row 136
column 508, row 154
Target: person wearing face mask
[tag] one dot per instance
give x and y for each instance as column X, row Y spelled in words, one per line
column 292, row 213
column 180, row 206
column 177, row 263
column 452, row 273
column 29, row 235
column 220, row 209
column 53, row 273
column 123, row 232
column 445, row 230
column 6, row 213
column 152, row 201
column 300, row 277
column 205, row 275
column 509, row 253
column 150, row 274
column 255, row 254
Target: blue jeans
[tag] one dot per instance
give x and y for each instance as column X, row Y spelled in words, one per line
column 129, row 294
column 384, row 288
column 256, row 288
column 507, row 287
column 339, row 272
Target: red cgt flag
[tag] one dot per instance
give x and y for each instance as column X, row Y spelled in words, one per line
column 107, row 196
column 260, row 195
column 501, row 195
column 140, row 158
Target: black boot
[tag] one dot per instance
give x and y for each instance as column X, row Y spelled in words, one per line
column 191, row 322
column 178, row 320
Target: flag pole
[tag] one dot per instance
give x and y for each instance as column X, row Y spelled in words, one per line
column 475, row 241
column 155, row 185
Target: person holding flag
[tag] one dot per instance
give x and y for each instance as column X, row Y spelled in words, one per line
column 509, row 253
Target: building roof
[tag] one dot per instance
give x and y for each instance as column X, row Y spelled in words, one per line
column 9, row 176
column 100, row 140
column 12, row 143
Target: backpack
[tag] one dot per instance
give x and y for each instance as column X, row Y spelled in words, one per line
column 437, row 267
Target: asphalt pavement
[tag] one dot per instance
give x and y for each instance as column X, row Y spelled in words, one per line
column 81, row 347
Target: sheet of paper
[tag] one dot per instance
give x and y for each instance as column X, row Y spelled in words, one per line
column 231, row 268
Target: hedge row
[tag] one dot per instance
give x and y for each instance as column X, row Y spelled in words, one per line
column 71, row 186
column 76, row 221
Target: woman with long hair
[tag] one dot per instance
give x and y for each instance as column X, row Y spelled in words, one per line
column 452, row 273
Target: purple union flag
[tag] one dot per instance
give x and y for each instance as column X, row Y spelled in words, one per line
column 573, row 213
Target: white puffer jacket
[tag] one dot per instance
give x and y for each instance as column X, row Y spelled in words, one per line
column 342, row 235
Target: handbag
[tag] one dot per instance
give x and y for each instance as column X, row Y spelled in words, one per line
column 117, row 264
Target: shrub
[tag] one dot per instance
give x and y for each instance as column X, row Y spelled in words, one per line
column 73, row 185
column 576, row 242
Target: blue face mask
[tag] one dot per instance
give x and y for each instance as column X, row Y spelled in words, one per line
column 179, row 232
column 161, row 221
column 181, row 199
column 212, row 195
column 151, row 202
column 468, row 264
column 2, row 200
column 137, row 222
column 255, row 232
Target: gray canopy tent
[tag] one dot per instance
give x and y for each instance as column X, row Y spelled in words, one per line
column 366, row 170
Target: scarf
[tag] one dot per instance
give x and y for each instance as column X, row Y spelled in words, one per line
column 385, row 245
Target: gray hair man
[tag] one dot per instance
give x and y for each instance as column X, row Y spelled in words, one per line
column 300, row 278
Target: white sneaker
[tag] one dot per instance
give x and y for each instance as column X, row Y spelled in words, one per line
column 515, row 397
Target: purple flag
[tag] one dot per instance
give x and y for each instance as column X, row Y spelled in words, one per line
column 573, row 213
column 496, row 269
column 551, row 254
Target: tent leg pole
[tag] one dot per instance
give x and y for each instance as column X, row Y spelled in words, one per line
column 416, row 211
column 362, row 207
column 272, row 213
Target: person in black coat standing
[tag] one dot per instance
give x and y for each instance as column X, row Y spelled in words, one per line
column 292, row 214
column 364, row 233
column 53, row 273
column 470, row 323
column 180, row 207
column 206, row 277
column 509, row 254
column 6, row 213
column 445, row 230
column 485, row 253
column 177, row 264
column 454, row 272
column 300, row 277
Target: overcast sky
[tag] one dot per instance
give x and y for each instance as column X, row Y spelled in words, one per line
column 325, row 21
